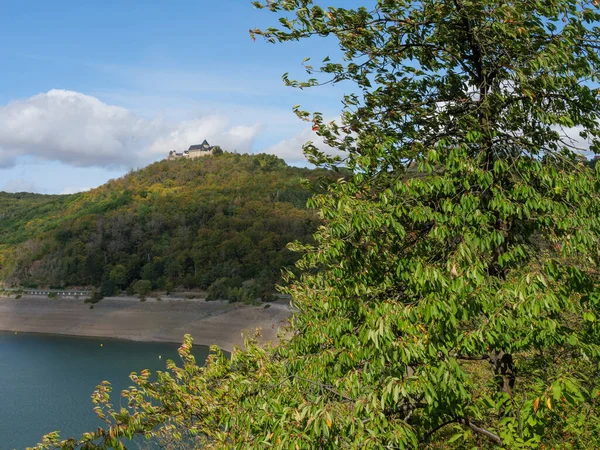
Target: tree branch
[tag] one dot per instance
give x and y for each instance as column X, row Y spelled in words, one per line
column 466, row 422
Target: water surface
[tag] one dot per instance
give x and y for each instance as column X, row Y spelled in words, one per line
column 46, row 381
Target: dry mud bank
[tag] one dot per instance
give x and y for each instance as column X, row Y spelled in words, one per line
column 218, row 323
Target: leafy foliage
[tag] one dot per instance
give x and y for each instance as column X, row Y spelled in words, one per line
column 189, row 223
column 17, row 211
column 454, row 308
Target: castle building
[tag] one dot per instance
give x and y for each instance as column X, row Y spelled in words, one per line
column 195, row 151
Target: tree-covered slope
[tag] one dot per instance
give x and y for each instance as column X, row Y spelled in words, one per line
column 219, row 223
column 17, row 210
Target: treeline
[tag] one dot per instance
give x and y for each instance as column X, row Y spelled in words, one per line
column 219, row 223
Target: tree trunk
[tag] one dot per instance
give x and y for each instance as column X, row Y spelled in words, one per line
column 504, row 371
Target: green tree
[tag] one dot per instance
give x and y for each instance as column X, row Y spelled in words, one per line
column 108, row 287
column 186, row 222
column 142, row 287
column 95, row 296
column 451, row 294
column 468, row 228
column 118, row 275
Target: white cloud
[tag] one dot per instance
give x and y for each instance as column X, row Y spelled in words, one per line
column 20, row 185
column 71, row 127
column 81, row 130
column 216, row 129
column 572, row 137
column 74, row 190
column 291, row 149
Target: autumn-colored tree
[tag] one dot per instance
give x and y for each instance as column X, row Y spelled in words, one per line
column 185, row 222
column 451, row 297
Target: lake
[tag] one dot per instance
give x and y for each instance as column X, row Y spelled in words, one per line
column 46, row 381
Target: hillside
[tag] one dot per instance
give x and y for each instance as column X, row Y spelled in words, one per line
column 219, row 223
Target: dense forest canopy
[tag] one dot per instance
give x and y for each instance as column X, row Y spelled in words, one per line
column 219, row 223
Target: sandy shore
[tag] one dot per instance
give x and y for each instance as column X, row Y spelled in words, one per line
column 218, row 323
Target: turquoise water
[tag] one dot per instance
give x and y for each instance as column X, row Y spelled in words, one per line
column 46, row 381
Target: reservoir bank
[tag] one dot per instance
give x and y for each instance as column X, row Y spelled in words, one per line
column 210, row 323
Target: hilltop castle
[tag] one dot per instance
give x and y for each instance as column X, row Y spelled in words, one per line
column 195, row 151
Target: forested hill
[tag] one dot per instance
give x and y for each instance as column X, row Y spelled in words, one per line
column 219, row 223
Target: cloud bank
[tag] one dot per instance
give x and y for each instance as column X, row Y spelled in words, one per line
column 291, row 149
column 20, row 185
column 214, row 128
column 81, row 130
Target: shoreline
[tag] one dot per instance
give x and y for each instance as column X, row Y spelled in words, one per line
column 108, row 338
column 210, row 323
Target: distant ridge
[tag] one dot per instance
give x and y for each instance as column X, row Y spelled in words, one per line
column 219, row 224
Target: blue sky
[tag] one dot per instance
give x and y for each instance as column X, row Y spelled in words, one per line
column 91, row 89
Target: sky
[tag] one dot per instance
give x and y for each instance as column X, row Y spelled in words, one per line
column 93, row 89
